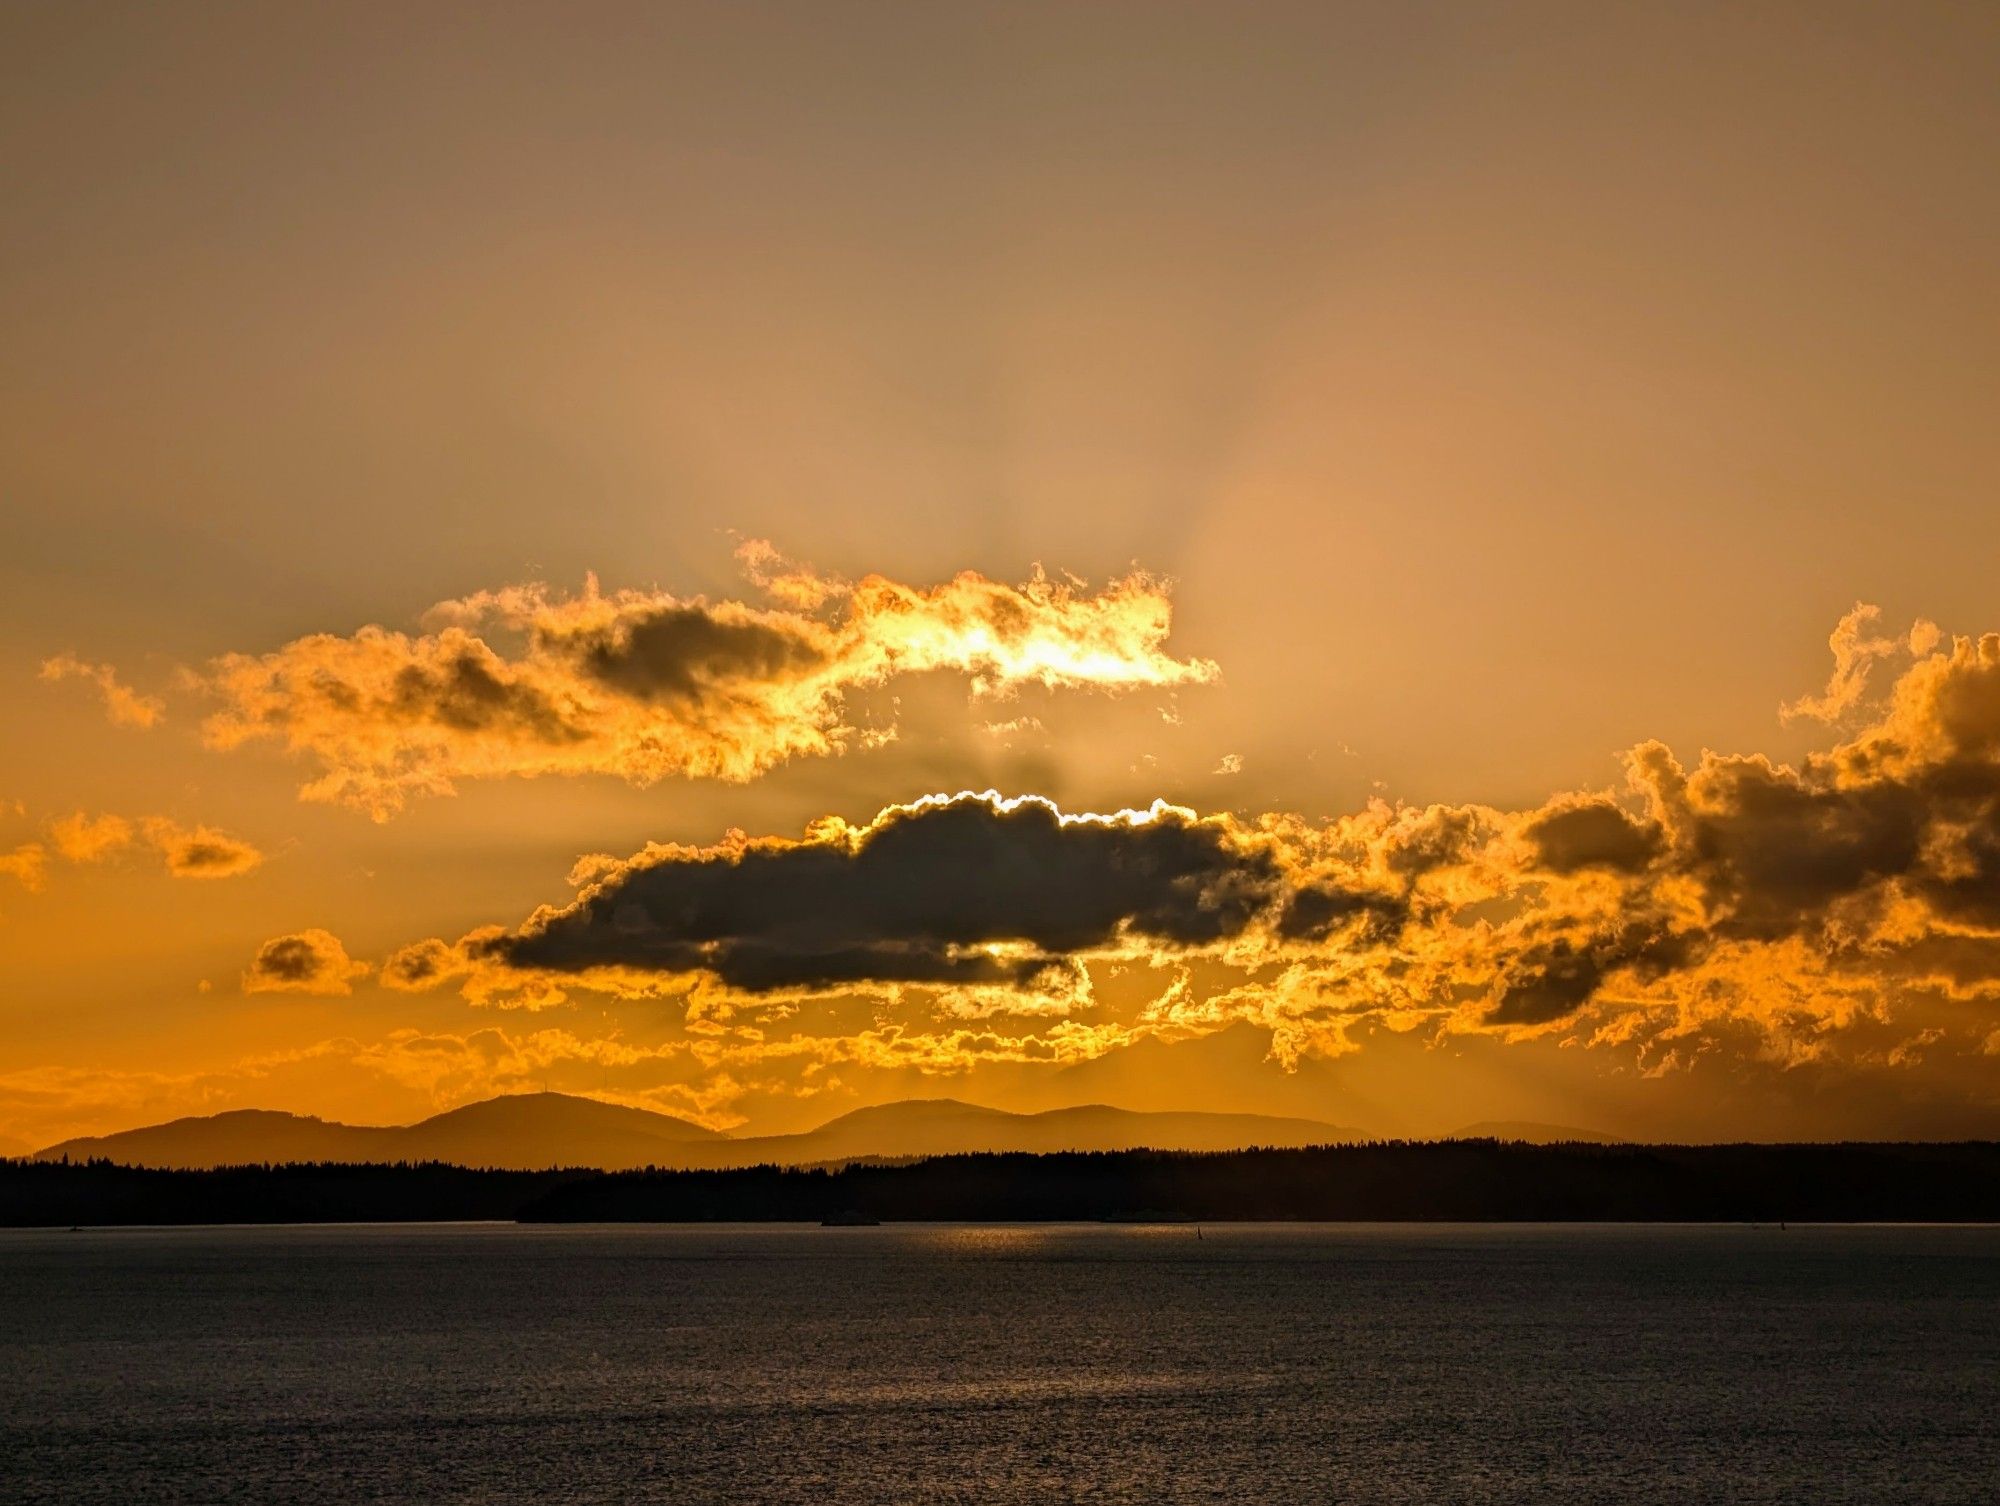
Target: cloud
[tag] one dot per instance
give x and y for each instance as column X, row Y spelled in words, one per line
column 82, row 838
column 1736, row 897
column 962, row 889
column 26, row 864
column 422, row 965
column 1855, row 655
column 200, row 852
column 1552, row 980
column 1315, row 913
column 197, row 852
column 1574, row 834
column 306, row 962
column 124, row 705
column 643, row 685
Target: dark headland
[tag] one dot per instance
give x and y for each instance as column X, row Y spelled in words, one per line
column 1458, row 1180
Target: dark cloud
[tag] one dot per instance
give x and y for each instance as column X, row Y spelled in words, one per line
column 473, row 691
column 201, row 853
column 1315, row 913
column 289, row 959
column 1773, row 848
column 420, row 965
column 1593, row 833
column 1435, row 837
column 685, row 653
column 1962, row 883
column 307, row 962
column 1551, row 980
column 914, row 897
column 1878, row 854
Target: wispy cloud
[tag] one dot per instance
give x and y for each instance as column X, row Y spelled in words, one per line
column 125, row 706
column 26, row 864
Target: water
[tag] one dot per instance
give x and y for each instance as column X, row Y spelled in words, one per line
column 1012, row 1364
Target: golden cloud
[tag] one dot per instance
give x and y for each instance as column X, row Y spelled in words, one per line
column 82, row 838
column 643, row 685
column 306, row 962
column 191, row 852
column 200, row 852
column 26, row 864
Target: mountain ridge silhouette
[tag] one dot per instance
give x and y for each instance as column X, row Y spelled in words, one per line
column 536, row 1131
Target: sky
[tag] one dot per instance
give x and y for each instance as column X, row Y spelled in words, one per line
column 1400, row 564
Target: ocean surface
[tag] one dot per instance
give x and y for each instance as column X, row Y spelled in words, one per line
column 477, row 1363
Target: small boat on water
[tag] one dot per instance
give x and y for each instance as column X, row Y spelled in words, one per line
column 849, row 1219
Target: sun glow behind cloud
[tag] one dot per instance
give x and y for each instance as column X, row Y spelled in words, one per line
column 644, row 685
column 1737, row 895
column 1496, row 398
column 1833, row 911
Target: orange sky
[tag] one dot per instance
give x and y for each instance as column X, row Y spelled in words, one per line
column 509, row 514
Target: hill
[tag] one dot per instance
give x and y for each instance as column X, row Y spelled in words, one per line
column 241, row 1135
column 534, row 1131
column 945, row 1127
column 523, row 1131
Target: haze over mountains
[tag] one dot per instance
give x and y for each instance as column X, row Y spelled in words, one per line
column 532, row 1131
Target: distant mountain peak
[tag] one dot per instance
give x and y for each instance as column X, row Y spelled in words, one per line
column 915, row 1107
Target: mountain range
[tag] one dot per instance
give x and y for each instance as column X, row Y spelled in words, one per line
column 532, row 1131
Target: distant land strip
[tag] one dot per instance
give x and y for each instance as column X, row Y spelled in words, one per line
column 1462, row 1180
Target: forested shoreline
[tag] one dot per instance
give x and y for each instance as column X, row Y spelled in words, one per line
column 1471, row 1180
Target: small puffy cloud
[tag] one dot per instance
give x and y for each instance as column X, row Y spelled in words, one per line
column 422, row 965
column 190, row 852
column 26, row 864
column 1018, row 726
column 1232, row 763
column 124, row 705
column 432, row 962
column 643, row 685
column 200, row 852
column 306, row 962
column 82, row 838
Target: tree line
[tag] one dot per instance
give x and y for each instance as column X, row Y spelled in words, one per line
column 1452, row 1180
